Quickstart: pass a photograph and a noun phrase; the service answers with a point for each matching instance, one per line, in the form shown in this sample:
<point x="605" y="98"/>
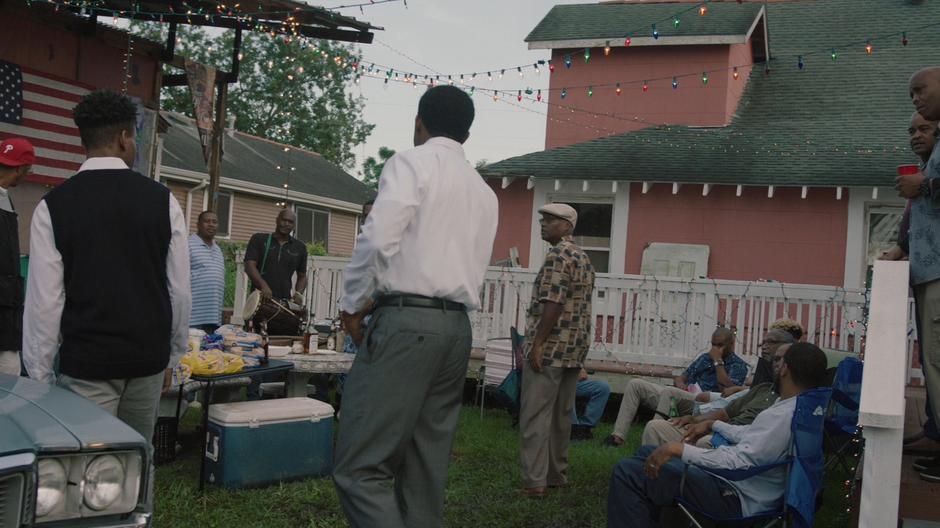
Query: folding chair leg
<point x="688" y="514"/>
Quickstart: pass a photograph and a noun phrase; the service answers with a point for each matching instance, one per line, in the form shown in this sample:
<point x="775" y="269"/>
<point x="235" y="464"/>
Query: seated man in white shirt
<point x="646" y="482"/>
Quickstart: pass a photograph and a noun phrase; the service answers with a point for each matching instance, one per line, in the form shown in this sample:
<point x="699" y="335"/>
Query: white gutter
<point x="260" y="190"/>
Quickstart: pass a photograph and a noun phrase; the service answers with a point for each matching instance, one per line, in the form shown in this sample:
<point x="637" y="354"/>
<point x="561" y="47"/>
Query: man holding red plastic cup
<point x="923" y="190"/>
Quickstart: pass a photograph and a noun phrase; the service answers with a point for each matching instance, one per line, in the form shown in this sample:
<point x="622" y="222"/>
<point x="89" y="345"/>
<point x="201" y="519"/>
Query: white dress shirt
<point x="765" y="441"/>
<point x="45" y="288"/>
<point x="5" y="202"/>
<point x="430" y="231"/>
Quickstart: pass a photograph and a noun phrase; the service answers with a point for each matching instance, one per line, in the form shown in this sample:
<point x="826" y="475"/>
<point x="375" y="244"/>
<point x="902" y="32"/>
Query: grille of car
<point x="11" y="499"/>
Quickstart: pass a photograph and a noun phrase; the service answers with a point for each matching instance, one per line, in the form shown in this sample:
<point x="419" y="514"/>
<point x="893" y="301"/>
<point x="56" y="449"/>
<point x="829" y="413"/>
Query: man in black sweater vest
<point x="109" y="269"/>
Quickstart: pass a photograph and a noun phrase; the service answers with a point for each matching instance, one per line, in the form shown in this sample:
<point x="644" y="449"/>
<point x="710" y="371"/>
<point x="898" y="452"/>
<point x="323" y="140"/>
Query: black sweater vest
<point x="112" y="228"/>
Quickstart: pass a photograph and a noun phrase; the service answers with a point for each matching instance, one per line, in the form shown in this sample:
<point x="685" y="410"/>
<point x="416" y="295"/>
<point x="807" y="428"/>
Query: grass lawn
<point x="484" y="472"/>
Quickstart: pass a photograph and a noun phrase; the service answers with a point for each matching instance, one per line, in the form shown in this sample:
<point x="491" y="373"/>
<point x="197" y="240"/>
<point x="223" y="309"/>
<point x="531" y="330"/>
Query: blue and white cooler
<point x="255" y="443"/>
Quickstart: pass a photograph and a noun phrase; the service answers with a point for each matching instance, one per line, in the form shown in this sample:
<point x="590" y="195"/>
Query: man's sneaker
<point x="613" y="441"/>
<point x="931" y="474"/>
<point x="581" y="432"/>
<point x="923" y="464"/>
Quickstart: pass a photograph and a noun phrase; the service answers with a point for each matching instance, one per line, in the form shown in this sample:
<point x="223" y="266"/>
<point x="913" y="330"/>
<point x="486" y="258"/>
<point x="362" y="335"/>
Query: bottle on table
<point x="311" y="338"/>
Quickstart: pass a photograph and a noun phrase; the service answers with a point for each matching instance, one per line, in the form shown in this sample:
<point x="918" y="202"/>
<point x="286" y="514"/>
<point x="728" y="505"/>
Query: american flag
<point x="38" y="107"/>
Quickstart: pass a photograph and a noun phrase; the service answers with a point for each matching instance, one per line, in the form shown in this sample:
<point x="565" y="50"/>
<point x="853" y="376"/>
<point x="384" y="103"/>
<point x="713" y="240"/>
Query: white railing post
<point x="881" y="412"/>
<point x="241" y="289"/>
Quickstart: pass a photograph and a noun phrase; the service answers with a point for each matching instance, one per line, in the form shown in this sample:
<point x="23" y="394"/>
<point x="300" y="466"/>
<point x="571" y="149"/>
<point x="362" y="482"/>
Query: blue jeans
<point x="597" y="392"/>
<point x="635" y="500"/>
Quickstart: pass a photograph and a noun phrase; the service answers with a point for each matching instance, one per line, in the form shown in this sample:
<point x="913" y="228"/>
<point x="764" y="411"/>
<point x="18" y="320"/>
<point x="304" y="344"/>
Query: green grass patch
<point x="483" y="474"/>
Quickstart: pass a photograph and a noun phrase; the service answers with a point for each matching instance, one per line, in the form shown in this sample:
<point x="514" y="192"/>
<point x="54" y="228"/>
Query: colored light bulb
<point x="655" y="32"/>
<point x="567" y="61"/>
<point x="618" y="90"/>
<point x="675" y="83"/>
<point x="734" y="73"/>
<point x="675" y="22"/>
<point x="705" y="78"/>
<point x="833" y="54"/>
<point x="587" y="55"/>
<point x="564" y="93"/>
<point x="628" y="41"/>
<point x="869" y="48"/>
<point x="607" y="49"/>
<point x="590" y="91"/>
<point x="904" y="38"/>
<point x="702" y="10"/>
<point x="646" y="86"/>
<point x="799" y="63"/>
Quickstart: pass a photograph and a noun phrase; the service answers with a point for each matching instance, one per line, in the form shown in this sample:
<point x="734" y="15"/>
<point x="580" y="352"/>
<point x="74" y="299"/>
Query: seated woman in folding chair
<point x="643" y="484"/>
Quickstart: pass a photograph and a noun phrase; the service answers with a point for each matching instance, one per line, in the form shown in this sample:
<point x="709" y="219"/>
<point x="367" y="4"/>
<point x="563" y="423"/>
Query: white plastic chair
<point x="496" y="366"/>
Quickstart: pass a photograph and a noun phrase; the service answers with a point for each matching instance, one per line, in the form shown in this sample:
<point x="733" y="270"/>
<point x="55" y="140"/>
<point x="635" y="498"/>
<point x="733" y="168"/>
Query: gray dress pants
<point x="401" y="403"/>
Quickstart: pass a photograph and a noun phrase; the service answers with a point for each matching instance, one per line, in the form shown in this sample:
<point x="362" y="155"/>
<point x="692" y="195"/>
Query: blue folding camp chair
<point x="842" y="421"/>
<point x="804" y="470"/>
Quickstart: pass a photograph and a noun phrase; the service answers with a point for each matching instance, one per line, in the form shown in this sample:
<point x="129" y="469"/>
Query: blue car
<point x="66" y="462"/>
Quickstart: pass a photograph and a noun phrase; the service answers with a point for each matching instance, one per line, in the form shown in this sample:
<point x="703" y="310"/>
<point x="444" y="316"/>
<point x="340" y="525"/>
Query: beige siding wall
<point x="179" y="190"/>
<point x="342" y="233"/>
<point x="250" y="215"/>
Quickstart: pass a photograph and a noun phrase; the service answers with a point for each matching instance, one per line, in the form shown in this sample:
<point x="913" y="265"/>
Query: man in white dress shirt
<point x="422" y="254"/>
<point x="109" y="270"/>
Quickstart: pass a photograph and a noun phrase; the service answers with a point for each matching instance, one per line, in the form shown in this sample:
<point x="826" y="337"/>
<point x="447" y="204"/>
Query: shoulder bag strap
<point x="267" y="247"/>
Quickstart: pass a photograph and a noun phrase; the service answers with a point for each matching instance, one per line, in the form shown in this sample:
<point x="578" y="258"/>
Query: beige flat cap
<point x="563" y="211"/>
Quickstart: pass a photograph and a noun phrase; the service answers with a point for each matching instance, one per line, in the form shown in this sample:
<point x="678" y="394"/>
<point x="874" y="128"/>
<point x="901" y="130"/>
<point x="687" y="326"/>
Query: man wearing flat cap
<point x="16" y="159"/>
<point x="558" y="337"/>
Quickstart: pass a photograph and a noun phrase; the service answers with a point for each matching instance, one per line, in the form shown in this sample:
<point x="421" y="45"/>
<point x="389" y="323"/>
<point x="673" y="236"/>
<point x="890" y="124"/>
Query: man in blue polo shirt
<point x="207" y="274"/>
<point x="713" y="371"/>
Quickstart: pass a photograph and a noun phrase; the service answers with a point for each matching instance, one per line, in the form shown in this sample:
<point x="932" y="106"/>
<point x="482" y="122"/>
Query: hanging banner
<point x="201" y="80"/>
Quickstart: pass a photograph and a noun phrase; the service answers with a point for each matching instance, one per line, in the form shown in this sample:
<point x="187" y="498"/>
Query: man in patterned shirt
<point x="558" y="338"/>
<point x="713" y="371"/>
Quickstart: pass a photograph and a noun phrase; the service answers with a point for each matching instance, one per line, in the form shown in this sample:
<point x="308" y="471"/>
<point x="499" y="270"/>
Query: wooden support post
<point x="881" y="410"/>
<point x="738" y="191"/>
<point x="706" y="188"/>
<point x="647" y="186"/>
<point x="530" y="184"/>
<point x="215" y="155"/>
<point x="613" y="187"/>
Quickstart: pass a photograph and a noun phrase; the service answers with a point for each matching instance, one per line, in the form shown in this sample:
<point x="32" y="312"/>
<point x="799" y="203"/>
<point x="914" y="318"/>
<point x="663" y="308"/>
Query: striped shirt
<point x="207" y="278"/>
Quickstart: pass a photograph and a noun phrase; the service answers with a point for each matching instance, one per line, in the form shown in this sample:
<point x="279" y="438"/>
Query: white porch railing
<point x="644" y="319"/>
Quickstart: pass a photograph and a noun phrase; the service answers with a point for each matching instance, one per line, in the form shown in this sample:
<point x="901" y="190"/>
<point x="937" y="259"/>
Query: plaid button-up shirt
<point x="566" y="278"/>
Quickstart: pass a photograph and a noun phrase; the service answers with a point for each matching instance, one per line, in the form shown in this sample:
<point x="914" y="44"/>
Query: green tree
<point x="372" y="168"/>
<point x="292" y="91"/>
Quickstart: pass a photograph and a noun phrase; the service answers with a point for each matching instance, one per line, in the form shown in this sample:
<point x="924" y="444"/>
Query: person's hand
<point x="298" y="298"/>
<point x="681" y="421"/>
<point x="352" y="324"/>
<point x="535" y="356"/>
<point x="583" y="375"/>
<point x="716" y="352"/>
<point x="895" y="253"/>
<point x="703" y="397"/>
<point x="697" y="431"/>
<point x="731" y="390"/>
<point x="266" y="292"/>
<point x="908" y="185"/>
<point x="658" y="458"/>
<point x="167" y="380"/>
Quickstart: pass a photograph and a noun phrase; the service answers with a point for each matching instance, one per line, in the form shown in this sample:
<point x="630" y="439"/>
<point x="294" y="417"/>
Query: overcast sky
<point x="453" y="36"/>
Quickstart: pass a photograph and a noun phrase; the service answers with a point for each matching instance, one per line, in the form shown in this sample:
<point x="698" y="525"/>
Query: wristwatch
<point x="719" y="363"/>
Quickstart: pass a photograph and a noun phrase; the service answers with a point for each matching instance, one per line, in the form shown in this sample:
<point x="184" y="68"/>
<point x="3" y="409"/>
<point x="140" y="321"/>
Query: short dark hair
<point x="807" y="364"/>
<point x="101" y="115"/>
<point x="447" y="111"/>
<point x="204" y="213"/>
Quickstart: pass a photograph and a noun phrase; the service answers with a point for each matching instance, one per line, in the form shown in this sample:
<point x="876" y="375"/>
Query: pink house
<point x="735" y="138"/>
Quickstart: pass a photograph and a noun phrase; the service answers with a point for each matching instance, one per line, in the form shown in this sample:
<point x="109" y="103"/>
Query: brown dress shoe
<point x="533" y="493"/>
<point x="925" y="447"/>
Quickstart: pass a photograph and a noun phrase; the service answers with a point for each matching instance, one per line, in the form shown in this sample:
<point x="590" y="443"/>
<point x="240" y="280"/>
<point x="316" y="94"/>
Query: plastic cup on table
<point x="905" y="170"/>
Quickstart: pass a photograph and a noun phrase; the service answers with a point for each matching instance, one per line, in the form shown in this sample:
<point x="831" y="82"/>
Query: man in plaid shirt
<point x="558" y="338"/>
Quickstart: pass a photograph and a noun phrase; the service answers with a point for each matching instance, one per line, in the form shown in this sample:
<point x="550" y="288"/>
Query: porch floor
<point x="920" y="500"/>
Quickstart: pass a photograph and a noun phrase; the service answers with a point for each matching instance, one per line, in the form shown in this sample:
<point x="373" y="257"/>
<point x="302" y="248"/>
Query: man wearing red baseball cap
<point x="16" y="160"/>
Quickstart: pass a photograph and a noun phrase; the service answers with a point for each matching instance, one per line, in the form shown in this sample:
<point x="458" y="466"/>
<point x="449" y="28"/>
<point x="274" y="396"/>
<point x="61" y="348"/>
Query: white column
<point x="881" y="411"/>
<point x="855" y="240"/>
<point x="620" y="229"/>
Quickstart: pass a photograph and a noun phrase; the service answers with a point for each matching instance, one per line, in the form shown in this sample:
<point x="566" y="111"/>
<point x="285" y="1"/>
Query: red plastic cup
<point x="904" y="170"/>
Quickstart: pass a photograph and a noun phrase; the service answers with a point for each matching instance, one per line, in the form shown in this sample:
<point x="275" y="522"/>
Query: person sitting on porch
<point x="651" y="479"/>
<point x="742" y="411"/>
<point x="789" y="326"/>
<point x="713" y="371"/>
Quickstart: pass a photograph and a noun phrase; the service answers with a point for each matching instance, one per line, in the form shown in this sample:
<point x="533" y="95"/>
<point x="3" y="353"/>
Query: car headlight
<point x="51" y="487"/>
<point x="104" y="482"/>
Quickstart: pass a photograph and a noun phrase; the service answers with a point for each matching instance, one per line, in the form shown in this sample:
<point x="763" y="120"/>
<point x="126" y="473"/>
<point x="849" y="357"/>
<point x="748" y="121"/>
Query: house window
<point x="223" y="208"/>
<point x="313" y="226"/>
<point x="882" y="235"/>
<point x="592" y="233"/>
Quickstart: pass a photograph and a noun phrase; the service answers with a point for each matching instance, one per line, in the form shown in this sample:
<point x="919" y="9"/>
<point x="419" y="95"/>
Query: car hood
<point x="37" y="416"/>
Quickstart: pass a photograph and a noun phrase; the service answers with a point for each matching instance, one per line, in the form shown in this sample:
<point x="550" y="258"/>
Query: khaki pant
<point x="651" y="396"/>
<point x="927" y="297"/>
<point x="10" y="362"/>
<point x="545" y="424"/>
<point x="134" y="401"/>
<point x="660" y="432"/>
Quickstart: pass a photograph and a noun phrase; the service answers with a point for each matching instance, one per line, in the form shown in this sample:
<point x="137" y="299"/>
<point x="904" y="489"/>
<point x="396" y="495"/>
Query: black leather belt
<point x="419" y="301"/>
